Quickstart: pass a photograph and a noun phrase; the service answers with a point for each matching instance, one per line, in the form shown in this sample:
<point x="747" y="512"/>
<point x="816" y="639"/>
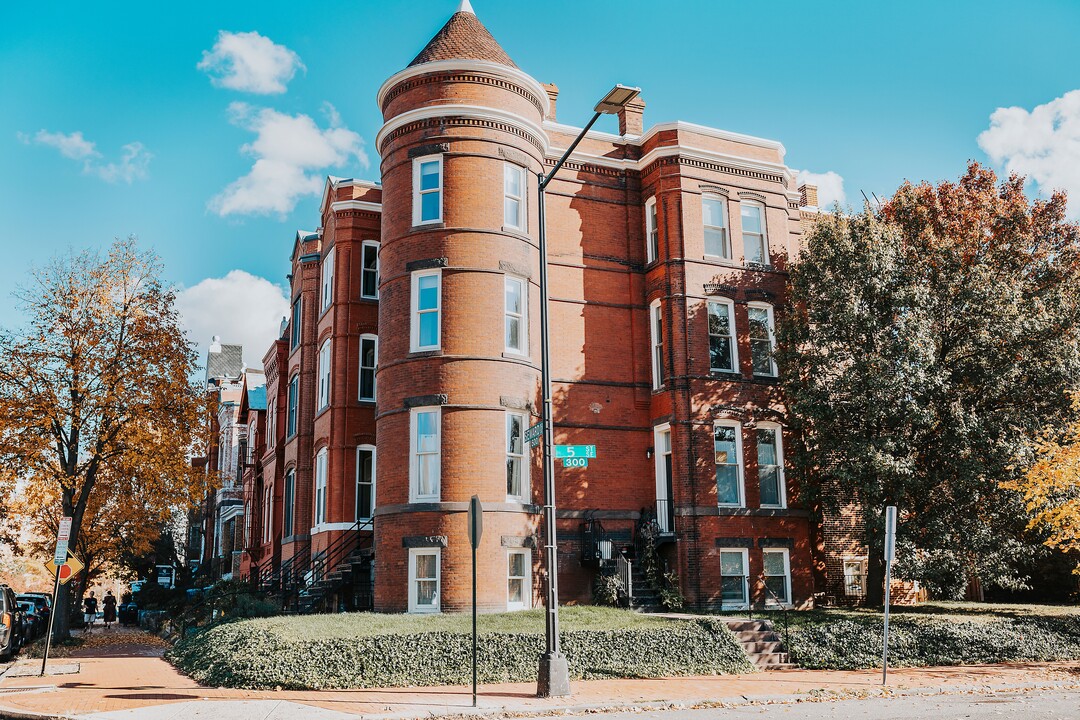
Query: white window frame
<point x="297" y="320"/>
<point x="656" y="343"/>
<point x="375" y="245"/>
<point x="322" y="459"/>
<point x="418" y="193"/>
<point x="373" y="369"/>
<point x="652" y="231"/>
<point x="771" y="326"/>
<point x="414" y="606"/>
<point x="292" y="407"/>
<point x="745" y="578"/>
<point x="724" y="227"/>
<point x="288" y="504"/>
<point x="522" y="457"/>
<point x="765" y="255"/>
<point x="325" y="351"/>
<point x="787" y="575"/>
<point x="660" y="474"/>
<point x="268" y="514"/>
<point x="374" y="473"/>
<point x="510" y="169"/>
<point x="778" y="431"/>
<point x="526" y="593"/>
<point x="415" y="311"/>
<point x="522" y="317"/>
<point x="271" y="421"/>
<point x="733" y="336"/>
<point x="414" y="457"/>
<point x="740" y="470"/>
<point x="327" y="284"/>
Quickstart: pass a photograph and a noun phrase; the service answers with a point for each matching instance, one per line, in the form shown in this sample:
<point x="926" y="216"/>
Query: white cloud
<point x="830" y="186"/>
<point x="290" y="152"/>
<point x="73" y="146"/>
<point x="132" y="166"/>
<point x="249" y="62"/>
<point x="1043" y="144"/>
<point x="242" y="308"/>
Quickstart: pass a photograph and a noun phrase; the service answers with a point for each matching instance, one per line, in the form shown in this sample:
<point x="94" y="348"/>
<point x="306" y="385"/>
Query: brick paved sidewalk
<point x="133" y="676"/>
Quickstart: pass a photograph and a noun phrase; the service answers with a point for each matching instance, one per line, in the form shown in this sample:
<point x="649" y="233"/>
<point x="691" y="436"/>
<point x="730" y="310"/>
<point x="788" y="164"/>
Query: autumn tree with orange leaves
<point x="1051" y="487"/>
<point x="930" y="342"/>
<point x="98" y="412"/>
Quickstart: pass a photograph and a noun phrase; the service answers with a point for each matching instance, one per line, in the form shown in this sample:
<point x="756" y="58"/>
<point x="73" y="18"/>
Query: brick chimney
<point x="809" y="195"/>
<point x="553" y="95"/>
<point x="631" y="117"/>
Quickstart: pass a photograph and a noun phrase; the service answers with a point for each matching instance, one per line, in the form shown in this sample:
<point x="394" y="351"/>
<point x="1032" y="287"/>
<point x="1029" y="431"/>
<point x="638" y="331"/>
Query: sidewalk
<point x="130" y="679"/>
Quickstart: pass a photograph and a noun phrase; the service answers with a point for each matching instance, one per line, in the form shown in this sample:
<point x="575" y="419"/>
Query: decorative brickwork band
<point x="714" y="190"/>
<point x="758" y="294"/>
<point x="423" y="541"/>
<point x="776" y="543"/>
<point x="514" y="156"/>
<point x="752" y="196"/>
<point x="426" y="264"/>
<point x="514" y="403"/>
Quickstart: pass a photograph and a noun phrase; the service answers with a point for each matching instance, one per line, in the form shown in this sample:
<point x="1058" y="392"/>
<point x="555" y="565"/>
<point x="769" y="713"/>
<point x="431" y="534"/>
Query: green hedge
<point x="851" y="644"/>
<point x="254" y="654"/>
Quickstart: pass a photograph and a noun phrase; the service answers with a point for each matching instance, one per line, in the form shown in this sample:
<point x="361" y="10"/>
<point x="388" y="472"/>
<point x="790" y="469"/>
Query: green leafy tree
<point x="927" y="345"/>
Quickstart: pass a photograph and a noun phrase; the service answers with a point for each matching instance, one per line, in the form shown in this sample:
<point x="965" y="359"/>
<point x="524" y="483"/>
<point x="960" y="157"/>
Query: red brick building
<point x="409" y="368"/>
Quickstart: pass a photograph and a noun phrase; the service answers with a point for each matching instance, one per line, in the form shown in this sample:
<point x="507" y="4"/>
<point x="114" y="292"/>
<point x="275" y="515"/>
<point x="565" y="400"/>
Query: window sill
<point x="725" y="374"/>
<point x="429" y="225"/>
<point x="519" y="232"/>
<point x="514" y="355"/>
<point x="366" y="401"/>
<point x="425" y="353"/>
<point x="365" y="298"/>
<point x="767" y="379"/>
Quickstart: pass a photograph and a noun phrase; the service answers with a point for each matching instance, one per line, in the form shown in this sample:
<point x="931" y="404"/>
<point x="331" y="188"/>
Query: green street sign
<point x="575" y="451"/>
<point x="575" y="462"/>
<point x="533" y="434"/>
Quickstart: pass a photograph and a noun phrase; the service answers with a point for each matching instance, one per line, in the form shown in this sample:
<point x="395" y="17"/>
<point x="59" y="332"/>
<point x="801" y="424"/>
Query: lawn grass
<point x="529" y="622"/>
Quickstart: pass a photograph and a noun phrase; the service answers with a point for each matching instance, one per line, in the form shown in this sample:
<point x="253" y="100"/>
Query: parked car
<point x="11" y="618"/>
<point x="32" y="625"/>
<point x="42" y="606"/>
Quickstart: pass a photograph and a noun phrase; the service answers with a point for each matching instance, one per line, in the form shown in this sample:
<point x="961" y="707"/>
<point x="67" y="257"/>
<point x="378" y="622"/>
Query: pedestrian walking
<point x="109" y="603"/>
<point x="90" y="611"/>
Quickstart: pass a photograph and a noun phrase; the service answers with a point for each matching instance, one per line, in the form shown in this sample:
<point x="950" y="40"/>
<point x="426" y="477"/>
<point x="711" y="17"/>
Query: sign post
<point x="890" y="555"/>
<point x="476" y="529"/>
<point x="63" y="534"/>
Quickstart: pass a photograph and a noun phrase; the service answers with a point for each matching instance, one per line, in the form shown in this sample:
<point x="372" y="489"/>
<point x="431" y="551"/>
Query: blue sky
<point x="875" y="92"/>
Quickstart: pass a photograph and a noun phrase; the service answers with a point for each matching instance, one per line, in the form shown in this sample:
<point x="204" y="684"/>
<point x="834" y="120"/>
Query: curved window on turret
<point x="427" y="189"/>
<point x="426" y="305"/>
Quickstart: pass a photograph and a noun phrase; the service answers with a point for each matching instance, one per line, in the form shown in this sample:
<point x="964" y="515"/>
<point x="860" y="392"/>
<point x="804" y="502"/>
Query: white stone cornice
<point x="355" y="205"/>
<point x="678" y="150"/>
<point x="470" y="111"/>
<point x="679" y="125"/>
<point x="478" y="66"/>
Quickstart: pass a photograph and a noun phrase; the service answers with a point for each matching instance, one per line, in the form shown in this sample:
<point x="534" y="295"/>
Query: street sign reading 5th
<point x="575" y="451"/>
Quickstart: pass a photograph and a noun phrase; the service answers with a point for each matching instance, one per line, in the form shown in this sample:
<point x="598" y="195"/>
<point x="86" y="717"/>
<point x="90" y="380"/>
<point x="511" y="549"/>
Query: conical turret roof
<point x="463" y="37"/>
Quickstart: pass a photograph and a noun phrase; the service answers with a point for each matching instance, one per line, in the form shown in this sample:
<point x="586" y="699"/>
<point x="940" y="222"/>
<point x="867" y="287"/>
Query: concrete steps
<point x="761" y="643"/>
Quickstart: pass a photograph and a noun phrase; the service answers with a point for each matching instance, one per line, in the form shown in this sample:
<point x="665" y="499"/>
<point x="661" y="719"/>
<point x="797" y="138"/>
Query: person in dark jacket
<point x="109" y="603"/>
<point x="90" y="611"/>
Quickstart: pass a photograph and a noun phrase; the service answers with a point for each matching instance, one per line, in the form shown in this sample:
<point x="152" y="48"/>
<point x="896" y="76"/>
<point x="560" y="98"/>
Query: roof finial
<point x="466" y="6"/>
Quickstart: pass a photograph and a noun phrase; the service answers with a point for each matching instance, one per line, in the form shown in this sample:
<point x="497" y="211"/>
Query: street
<point x="1030" y="705"/>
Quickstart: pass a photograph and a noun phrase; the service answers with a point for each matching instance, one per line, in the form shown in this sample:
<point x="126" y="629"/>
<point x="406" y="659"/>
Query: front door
<point x="665" y="510"/>
<point x="734" y="577"/>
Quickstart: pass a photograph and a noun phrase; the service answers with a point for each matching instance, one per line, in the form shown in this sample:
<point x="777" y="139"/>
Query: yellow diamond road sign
<point x="68" y="570"/>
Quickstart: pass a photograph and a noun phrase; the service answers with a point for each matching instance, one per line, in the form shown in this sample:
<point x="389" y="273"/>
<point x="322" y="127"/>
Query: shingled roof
<point x="463" y="37"/>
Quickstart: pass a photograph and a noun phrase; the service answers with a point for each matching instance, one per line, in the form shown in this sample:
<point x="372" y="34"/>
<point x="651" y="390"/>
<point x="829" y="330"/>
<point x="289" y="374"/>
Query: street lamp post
<point x="553" y="680"/>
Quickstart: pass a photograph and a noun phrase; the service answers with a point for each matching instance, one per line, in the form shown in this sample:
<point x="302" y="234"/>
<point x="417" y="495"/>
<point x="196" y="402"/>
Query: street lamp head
<point x="616" y="99"/>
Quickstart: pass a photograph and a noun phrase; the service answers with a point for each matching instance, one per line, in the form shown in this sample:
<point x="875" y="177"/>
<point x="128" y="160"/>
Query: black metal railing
<point x="665" y="515"/>
<point x="304" y="573"/>
<point x="596" y="544"/>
